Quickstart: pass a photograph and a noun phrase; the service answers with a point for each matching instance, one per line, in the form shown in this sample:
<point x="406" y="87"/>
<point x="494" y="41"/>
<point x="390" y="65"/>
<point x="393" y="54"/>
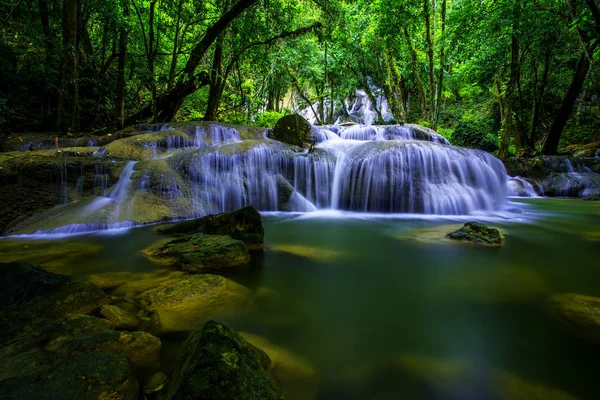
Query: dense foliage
<point x="514" y="74"/>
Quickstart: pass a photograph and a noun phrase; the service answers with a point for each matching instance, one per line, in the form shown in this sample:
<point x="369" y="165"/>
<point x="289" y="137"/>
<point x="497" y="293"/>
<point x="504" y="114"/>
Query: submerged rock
<point x="141" y="348"/>
<point x="296" y="376"/>
<point x="122" y="319"/>
<point x="579" y="314"/>
<point x="244" y="224"/>
<point x="201" y="253"/>
<point x="475" y="232"/>
<point x="183" y="304"/>
<point x="217" y="363"/>
<point x="92" y="376"/>
<point x="313" y="253"/>
<point x="292" y="129"/>
<point x="155" y="383"/>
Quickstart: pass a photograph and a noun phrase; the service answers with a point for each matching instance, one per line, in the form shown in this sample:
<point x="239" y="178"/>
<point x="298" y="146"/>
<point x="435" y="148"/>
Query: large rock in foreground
<point x="475" y="232"/>
<point x="91" y="376"/>
<point x="244" y="224"/>
<point x="579" y="314"/>
<point x="292" y="129"/>
<point x="183" y="304"/>
<point x="217" y="363"/>
<point x="35" y="296"/>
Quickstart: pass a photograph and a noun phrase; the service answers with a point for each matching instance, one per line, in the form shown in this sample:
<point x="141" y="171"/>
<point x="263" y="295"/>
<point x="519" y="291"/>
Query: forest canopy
<point x="517" y="76"/>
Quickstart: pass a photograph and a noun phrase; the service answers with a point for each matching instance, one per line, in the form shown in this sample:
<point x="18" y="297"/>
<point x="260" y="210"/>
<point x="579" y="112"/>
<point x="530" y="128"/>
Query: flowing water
<point x="353" y="293"/>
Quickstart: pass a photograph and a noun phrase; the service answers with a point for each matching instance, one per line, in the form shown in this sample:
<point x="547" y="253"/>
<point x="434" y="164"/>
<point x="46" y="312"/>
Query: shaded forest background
<point x="508" y="76"/>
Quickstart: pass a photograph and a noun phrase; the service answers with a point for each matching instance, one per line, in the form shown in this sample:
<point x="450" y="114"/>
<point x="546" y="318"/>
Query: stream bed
<point x="369" y="299"/>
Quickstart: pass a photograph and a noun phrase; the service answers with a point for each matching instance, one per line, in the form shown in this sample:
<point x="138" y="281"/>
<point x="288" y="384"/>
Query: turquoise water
<point x="353" y="294"/>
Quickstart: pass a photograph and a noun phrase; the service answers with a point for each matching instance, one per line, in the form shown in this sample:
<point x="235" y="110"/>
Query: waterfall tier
<point x="193" y="171"/>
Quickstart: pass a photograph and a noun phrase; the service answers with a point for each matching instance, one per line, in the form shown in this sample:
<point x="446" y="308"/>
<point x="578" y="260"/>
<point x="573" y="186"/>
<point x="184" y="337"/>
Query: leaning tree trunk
<point x="216" y="81"/>
<point x="169" y="103"/>
<point x="67" y="107"/>
<point x="551" y="144"/>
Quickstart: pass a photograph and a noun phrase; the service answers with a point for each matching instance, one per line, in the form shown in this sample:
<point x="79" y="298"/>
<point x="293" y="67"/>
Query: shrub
<point x="268" y="119"/>
<point x="474" y="134"/>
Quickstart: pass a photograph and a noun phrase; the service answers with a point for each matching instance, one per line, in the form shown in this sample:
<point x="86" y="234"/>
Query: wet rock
<point x="122" y="319"/>
<point x="475" y="232"/>
<point x="141" y="348"/>
<point x="292" y="129"/>
<point x="217" y="363"/>
<point x="201" y="253"/>
<point x="22" y="282"/>
<point x="155" y="383"/>
<point x="183" y="304"/>
<point x="74" y="326"/>
<point x="35" y="296"/>
<point x="92" y="376"/>
<point x="295" y="375"/>
<point x="284" y="193"/>
<point x="313" y="253"/>
<point x="244" y="224"/>
<point x="578" y="314"/>
<point x="142" y="146"/>
<point x="592" y="197"/>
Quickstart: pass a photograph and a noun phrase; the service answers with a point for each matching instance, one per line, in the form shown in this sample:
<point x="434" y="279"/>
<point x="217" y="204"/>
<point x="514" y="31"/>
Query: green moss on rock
<point x="292" y="129"/>
<point x="217" y="363"/>
<point x="244" y="224"/>
<point x="475" y="232"/>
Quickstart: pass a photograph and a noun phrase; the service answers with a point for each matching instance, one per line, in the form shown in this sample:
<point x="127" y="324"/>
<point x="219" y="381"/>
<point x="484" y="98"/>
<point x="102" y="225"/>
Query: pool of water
<point x="358" y="295"/>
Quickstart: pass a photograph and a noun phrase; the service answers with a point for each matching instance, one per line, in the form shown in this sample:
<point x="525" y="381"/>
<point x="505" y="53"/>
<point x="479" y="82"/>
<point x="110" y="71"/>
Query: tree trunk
<point x="396" y="84"/>
<point x="415" y="68"/>
<point x="539" y="99"/>
<point x="440" y="85"/>
<point x="67" y="107"/>
<point x="46" y="98"/>
<point x="120" y="100"/>
<point x="151" y="55"/>
<point x="169" y="103"/>
<point x="429" y="58"/>
<point x="174" y="57"/>
<point x="551" y="144"/>
<point x="216" y="81"/>
<point x="509" y="127"/>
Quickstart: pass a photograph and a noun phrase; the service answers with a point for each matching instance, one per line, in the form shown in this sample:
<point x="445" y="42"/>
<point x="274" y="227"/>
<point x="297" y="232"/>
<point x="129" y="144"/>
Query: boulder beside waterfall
<point x="292" y="129"/>
<point x="477" y="233"/>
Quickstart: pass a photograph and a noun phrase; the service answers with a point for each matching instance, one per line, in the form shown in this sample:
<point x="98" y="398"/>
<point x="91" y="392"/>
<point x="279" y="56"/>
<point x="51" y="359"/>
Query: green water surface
<point x="355" y="294"/>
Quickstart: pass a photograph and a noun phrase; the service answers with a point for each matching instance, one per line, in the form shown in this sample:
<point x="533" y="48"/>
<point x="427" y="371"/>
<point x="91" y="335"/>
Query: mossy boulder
<point x="217" y="363"/>
<point x="141" y="348"/>
<point x="183" y="304"/>
<point x="91" y="376"/>
<point x="244" y="224"/>
<point x="578" y="314"/>
<point x="292" y="129"/>
<point x="35" y="296"/>
<point x="122" y="319"/>
<point x="201" y="253"/>
<point x="477" y="233"/>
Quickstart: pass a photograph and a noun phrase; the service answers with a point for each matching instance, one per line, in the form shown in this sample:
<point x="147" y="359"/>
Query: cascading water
<point x="384" y="169"/>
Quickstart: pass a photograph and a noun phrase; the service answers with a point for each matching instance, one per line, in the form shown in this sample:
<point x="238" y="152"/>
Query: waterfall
<point x="392" y="169"/>
<point x="211" y="169"/>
